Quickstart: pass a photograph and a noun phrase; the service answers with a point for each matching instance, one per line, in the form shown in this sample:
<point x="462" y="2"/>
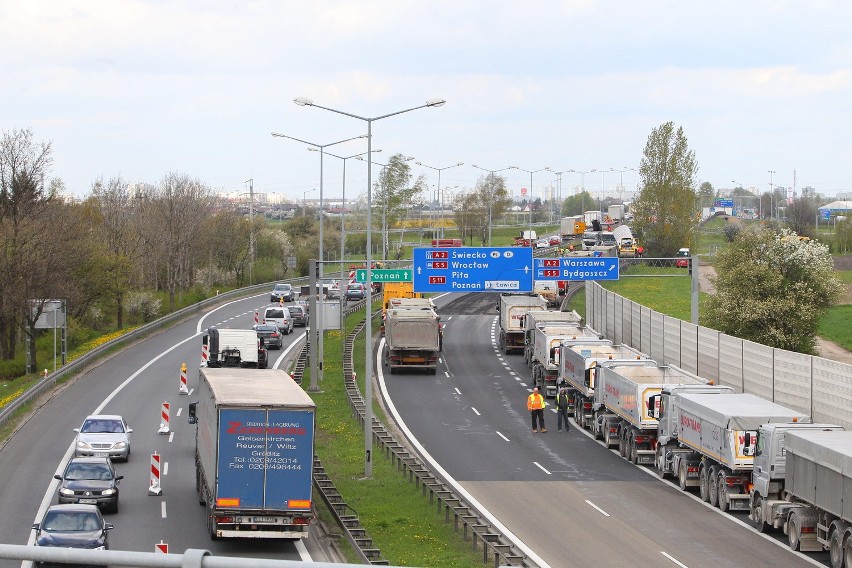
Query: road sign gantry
<point x="473" y="269"/>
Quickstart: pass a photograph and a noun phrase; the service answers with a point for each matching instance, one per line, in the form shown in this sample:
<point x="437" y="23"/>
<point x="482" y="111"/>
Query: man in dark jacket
<point x="562" y="409"/>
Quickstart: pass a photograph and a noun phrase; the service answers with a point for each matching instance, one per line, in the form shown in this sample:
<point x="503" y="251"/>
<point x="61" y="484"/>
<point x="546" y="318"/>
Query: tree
<point x="665" y="213"/>
<point x="576" y="204"/>
<point x="843" y="236"/>
<point x="772" y="288"/>
<point x="393" y="193"/>
<point x="706" y="194"/>
<point x="489" y="199"/>
<point x="801" y="217"/>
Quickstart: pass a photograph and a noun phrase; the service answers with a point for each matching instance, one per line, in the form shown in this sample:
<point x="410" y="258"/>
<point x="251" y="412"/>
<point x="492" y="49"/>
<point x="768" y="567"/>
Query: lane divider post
<point x="164" y="419"/>
<point x="182" y="388"/>
<point x="154" y="487"/>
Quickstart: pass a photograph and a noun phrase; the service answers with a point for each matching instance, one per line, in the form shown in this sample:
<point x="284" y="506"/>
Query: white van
<point x="234" y="348"/>
<point x="280" y="316"/>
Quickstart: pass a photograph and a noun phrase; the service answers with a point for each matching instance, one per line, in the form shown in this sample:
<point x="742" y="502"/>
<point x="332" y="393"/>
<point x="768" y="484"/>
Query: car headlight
<point x="119" y="445"/>
<point x="83" y="445"/>
<point x="108" y="492"/>
<point x="66" y="492"/>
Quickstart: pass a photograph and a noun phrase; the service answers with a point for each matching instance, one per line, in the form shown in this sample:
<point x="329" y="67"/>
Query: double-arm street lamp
<point x="368" y="379"/>
<point x="771" y="194"/>
<point x="621" y="180"/>
<point x="491" y="193"/>
<point x="440" y="201"/>
<point x="319" y="315"/>
<point x="529" y="200"/>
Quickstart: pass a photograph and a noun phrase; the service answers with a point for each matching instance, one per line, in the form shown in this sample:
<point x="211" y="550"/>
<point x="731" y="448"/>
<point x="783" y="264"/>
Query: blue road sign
<point x="473" y="269"/>
<point x="577" y="268"/>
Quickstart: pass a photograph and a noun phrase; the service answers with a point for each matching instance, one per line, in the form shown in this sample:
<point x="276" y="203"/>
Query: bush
<point x="142" y="306"/>
<point x="731" y="230"/>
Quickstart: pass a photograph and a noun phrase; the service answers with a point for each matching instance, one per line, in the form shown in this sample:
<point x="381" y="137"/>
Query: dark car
<point x="355" y="291"/>
<point x="299" y="315"/>
<point x="271" y="335"/>
<point x="90" y="481"/>
<point x="72" y="526"/>
<point x="282" y="292"/>
<point x="333" y="293"/>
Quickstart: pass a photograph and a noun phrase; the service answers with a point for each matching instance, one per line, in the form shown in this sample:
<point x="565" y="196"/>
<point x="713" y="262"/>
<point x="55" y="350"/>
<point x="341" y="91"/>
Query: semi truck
<point x="625" y="399"/>
<point x="412" y="339"/>
<point x="616" y="212"/>
<point x="234" y="348"/>
<point x="549" y="290"/>
<point x="392" y="292"/>
<point x="571" y="227"/>
<point x="537" y="317"/>
<point x="547" y="340"/>
<point x="579" y="363"/>
<point x="710" y="450"/>
<point x="513" y="308"/>
<point x="254" y="450"/>
<point x="801" y="483"/>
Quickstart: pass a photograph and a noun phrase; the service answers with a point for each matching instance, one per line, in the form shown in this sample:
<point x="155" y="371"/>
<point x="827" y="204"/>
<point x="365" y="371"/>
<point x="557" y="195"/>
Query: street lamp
<point x="621" y="180"/>
<point x="439" y="187"/>
<point x="368" y="380"/>
<point x="491" y="195"/>
<point x="529" y="200"/>
<point x="771" y="194"/>
<point x="583" y="186"/>
<point x="319" y="315"/>
<point x="305" y="200"/>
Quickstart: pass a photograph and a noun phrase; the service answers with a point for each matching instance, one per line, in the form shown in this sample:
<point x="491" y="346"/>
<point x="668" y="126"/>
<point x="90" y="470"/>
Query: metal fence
<point x="816" y="386"/>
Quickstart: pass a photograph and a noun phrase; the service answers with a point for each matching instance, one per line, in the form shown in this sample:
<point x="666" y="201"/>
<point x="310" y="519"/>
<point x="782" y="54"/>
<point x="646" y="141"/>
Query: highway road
<point x="133" y="383"/>
<point x="568" y="499"/>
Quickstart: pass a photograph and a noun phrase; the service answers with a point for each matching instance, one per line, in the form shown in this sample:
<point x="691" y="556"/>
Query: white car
<point x="542" y="244"/>
<point x="103" y="435"/>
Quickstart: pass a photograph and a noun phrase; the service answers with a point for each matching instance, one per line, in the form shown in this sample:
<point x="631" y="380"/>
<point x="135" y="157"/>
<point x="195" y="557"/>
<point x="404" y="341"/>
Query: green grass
<point x="835" y="326"/>
<point x="400" y="520"/>
<point x="666" y="290"/>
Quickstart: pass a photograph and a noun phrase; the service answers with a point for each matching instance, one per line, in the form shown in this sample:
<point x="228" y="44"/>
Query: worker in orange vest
<point x="536" y="404"/>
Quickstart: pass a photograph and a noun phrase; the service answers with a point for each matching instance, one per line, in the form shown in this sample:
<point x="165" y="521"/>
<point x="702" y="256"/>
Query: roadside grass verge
<point x="835" y="326"/>
<point x="399" y="519"/>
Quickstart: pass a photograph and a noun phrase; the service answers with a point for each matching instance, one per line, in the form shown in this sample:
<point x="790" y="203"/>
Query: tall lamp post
<point x="368" y="379"/>
<point x="771" y="195"/>
<point x="491" y="196"/>
<point x="319" y="315"/>
<point x="621" y="180"/>
<point x="583" y="185"/>
<point x="529" y="201"/>
<point x="305" y="200"/>
<point x="439" y="170"/>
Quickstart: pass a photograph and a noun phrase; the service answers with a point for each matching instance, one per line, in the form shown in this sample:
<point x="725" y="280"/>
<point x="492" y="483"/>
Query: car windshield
<point x="275" y="313"/>
<point x="683" y="252"/>
<point x="296" y="310"/>
<point x="101" y="426"/>
<point x="282" y="287"/>
<point x="77" y="471"/>
<point x="266" y="329"/>
<point x="67" y="521"/>
<point x="354" y="287"/>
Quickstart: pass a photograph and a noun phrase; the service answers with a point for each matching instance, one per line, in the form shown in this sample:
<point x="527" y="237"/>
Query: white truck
<point x="710" y="451"/>
<point x="254" y="453"/>
<point x="571" y="227"/>
<point x="579" y="363"/>
<point x="412" y="339"/>
<point x="547" y="341"/>
<point x="616" y="212"/>
<point x="801" y="483"/>
<point x="625" y="241"/>
<point x="549" y="290"/>
<point x="513" y="308"/>
<point x="536" y="317"/>
<point x="234" y="348"/>
<point x="625" y="405"/>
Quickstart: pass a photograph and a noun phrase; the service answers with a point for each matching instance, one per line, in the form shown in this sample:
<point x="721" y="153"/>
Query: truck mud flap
<point x="739" y="501"/>
<point x="646" y="457"/>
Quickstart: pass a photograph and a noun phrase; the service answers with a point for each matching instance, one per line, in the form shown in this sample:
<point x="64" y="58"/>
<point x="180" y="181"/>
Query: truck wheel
<point x="703" y="484"/>
<point x="660" y="462"/>
<point x="847" y="553"/>
<point x="794" y="537"/>
<point x="835" y="548"/>
<point x="681" y="476"/>
<point x="633" y="451"/>
<point x="722" y="499"/>
<point x="713" y="486"/>
<point x="622" y="445"/>
<point x="756" y="516"/>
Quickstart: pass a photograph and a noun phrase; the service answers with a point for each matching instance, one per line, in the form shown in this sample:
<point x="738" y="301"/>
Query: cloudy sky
<point x="137" y="89"/>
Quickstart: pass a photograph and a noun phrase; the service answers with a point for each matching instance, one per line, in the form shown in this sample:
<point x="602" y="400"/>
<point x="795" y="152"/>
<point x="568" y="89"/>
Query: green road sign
<point x="384" y="275"/>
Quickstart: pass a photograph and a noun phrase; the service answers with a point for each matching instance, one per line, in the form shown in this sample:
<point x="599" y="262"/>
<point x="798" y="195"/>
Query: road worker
<point x="536" y="404"/>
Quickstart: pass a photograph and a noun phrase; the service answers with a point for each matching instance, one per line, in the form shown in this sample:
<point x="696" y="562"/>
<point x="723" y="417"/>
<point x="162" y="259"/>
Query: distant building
<point x="834" y="209"/>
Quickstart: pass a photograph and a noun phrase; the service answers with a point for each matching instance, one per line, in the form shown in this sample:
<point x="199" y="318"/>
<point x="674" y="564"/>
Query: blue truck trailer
<point x="254" y="449"/>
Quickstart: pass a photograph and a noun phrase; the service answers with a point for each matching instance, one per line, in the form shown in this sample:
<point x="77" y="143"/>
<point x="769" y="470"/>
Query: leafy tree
<point x="576" y="204"/>
<point x="706" y="194"/>
<point x="843" y="236"/>
<point x="665" y="212"/>
<point x="772" y="288"/>
<point x="801" y="217"/>
<point x="393" y="193"/>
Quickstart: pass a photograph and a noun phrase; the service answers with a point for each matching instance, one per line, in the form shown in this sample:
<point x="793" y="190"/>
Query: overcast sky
<point x="140" y="88"/>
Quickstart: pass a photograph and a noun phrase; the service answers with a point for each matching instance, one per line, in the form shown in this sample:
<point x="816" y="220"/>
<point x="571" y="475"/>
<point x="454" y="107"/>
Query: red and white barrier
<point x="164" y="419"/>
<point x="256" y="317"/>
<point x="205" y="354"/>
<point x="162" y="547"/>
<point x="351" y="276"/>
<point x="154" y="487"/>
<point x="182" y="389"/>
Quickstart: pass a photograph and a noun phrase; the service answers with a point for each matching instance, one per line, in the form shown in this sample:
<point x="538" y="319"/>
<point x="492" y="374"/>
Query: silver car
<point x="103" y="435"/>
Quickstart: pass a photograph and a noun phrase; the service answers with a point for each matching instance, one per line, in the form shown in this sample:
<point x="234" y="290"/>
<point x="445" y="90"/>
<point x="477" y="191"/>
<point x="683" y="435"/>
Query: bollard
<point x="256" y="317"/>
<point x="205" y="354"/>
<point x="182" y="388"/>
<point x="46" y="373"/>
<point x="154" y="487"/>
<point x="164" y="419"/>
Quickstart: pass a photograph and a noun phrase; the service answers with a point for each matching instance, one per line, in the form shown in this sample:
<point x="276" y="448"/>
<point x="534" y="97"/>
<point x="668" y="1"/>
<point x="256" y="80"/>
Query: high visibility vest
<point x="535" y="402"/>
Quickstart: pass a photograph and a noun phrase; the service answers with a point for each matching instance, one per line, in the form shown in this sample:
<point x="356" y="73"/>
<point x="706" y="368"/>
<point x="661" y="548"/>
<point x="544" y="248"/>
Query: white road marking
<point x="447" y="373"/>
<point x="163" y="509"/>
<point x="676" y="561"/>
<point x="190" y="391"/>
<point x="541" y="467"/>
<point x="179" y="411"/>
<point x="455" y="389"/>
<point x="518" y="379"/>
<point x="171" y="436"/>
<point x="475" y="411"/>
<point x="601" y="511"/>
<point x="165" y="468"/>
<point x="502" y="436"/>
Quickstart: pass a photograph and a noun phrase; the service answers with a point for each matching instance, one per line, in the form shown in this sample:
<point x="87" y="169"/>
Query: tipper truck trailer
<point x="412" y="339"/>
<point x="625" y="405"/>
<point x="532" y="319"/>
<point x="625" y="241"/>
<point x="711" y="435"/>
<point x="547" y="341"/>
<point x="802" y="483"/>
<point x="513" y="308"/>
<point x="579" y="364"/>
<point x="254" y="450"/>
